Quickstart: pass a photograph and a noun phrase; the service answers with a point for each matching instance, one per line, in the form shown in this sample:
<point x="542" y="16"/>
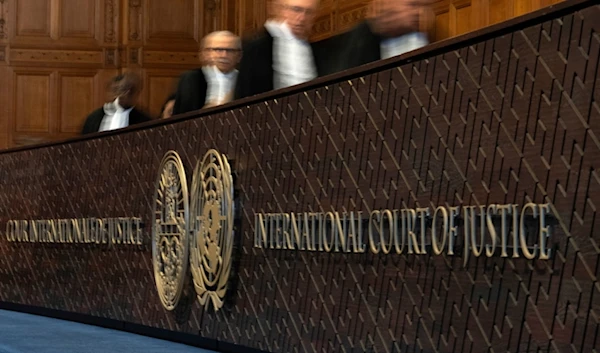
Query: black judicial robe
<point x="191" y="92"/>
<point x="358" y="46"/>
<point x="344" y="51"/>
<point x="93" y="121"/>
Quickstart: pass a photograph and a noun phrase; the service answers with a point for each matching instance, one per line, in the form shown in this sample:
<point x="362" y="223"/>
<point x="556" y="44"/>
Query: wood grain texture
<point x="33" y="18"/>
<point x="77" y="92"/>
<point x="78" y="18"/>
<point x="33" y="102"/>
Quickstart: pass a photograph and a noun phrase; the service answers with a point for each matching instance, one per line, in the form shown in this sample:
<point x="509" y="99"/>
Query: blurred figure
<point x="280" y="55"/>
<point x="212" y="84"/>
<point x="391" y="29"/>
<point x="167" y="109"/>
<point x="124" y="90"/>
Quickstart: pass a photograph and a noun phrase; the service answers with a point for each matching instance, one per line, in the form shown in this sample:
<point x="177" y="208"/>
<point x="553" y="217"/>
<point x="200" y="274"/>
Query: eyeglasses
<point x="299" y="10"/>
<point x="226" y="50"/>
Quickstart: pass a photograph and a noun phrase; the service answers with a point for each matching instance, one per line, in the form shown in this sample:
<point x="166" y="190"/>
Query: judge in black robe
<point x="191" y="92"/>
<point x="125" y="90"/>
<point x="212" y="84"/>
<point x="256" y="68"/>
<point x="94" y="120"/>
<point x="353" y="48"/>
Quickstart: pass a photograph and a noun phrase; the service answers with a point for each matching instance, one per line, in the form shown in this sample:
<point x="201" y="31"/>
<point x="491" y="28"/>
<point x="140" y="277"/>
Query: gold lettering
<point x="128" y="230"/>
<point x="328" y="243"/>
<point x="504" y="211"/>
<point x="321" y="228"/>
<point x="260" y="231"/>
<point x="121" y="237"/>
<point x="53" y="233"/>
<point x="411" y="220"/>
<point x="452" y="229"/>
<point x="23" y="232"/>
<point x="491" y="248"/>
<point x="356" y="234"/>
<point x="422" y="212"/>
<point x="437" y="247"/>
<point x="295" y="230"/>
<point x="278" y="231"/>
<point x="10" y="235"/>
<point x="306" y="234"/>
<point x="33" y="237"/>
<point x="374" y="221"/>
<point x="271" y="230"/>
<point x="544" y="232"/>
<point x="399" y="234"/>
<point x="339" y="235"/>
<point x="111" y="229"/>
<point x="515" y="231"/>
<point x="138" y="230"/>
<point x="285" y="228"/>
<point x="528" y="255"/>
<point x="386" y="248"/>
<point x="76" y="231"/>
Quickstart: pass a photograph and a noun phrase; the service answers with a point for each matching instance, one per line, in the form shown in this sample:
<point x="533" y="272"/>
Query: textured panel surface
<point x="512" y="119"/>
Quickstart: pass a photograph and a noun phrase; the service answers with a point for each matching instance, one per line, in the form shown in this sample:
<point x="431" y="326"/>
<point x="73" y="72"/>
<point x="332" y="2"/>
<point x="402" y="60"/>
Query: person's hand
<point x="393" y="18"/>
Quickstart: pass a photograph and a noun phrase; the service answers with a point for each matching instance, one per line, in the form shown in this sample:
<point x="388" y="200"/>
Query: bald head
<point x="222" y="49"/>
<point x="298" y="14"/>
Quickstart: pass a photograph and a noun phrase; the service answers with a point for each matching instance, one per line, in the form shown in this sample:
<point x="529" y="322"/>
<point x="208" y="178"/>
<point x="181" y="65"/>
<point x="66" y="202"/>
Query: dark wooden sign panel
<point x="510" y="119"/>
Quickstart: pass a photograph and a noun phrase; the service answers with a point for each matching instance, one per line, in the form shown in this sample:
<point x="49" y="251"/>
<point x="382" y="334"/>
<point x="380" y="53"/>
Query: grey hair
<point x="238" y="41"/>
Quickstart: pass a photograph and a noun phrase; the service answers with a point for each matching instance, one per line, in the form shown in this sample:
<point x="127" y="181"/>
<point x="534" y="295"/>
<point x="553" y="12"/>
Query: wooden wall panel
<point x="462" y="17"/>
<point x="182" y="29"/>
<point x="498" y="11"/>
<point x="252" y="15"/>
<point x="77" y="18"/>
<point x="33" y="18"/>
<point x="159" y="84"/>
<point x="5" y="105"/>
<point x="441" y="27"/>
<point x="349" y="14"/>
<point x="4" y="5"/>
<point x="33" y="101"/>
<point x="77" y="92"/>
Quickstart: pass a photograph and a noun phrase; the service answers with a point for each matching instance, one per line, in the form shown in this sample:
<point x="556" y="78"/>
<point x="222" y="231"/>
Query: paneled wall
<point x="56" y="56"/>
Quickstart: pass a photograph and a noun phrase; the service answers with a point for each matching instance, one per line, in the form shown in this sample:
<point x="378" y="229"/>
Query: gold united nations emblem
<point x="209" y="242"/>
<point x="212" y="240"/>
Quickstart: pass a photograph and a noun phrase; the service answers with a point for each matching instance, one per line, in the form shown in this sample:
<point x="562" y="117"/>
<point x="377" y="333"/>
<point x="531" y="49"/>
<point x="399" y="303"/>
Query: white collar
<point x="280" y="30"/>
<point x="213" y="71"/>
<point x="115" y="116"/>
<point x="114" y="107"/>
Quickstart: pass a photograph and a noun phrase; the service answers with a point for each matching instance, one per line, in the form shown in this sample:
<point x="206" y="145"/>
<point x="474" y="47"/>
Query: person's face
<point x="299" y="15"/>
<point x="129" y="99"/>
<point x="396" y="17"/>
<point x="222" y="51"/>
<point x="168" y="111"/>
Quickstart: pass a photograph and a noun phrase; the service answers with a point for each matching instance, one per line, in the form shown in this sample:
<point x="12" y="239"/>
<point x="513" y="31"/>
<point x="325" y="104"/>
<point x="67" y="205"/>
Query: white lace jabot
<point x="293" y="60"/>
<point x="115" y="117"/>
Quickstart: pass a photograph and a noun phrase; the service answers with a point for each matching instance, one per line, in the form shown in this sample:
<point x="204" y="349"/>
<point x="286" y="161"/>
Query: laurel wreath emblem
<point x="212" y="240"/>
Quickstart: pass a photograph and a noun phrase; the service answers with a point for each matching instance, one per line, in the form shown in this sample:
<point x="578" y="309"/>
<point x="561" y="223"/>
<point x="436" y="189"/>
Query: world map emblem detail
<point x="212" y="242"/>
